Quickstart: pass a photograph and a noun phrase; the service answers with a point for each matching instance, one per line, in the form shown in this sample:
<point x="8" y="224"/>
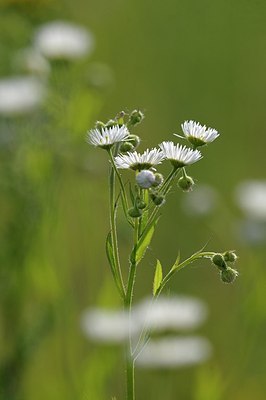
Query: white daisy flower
<point x="197" y="134"/>
<point x="62" y="40"/>
<point x="137" y="161"/>
<point x="180" y="156"/>
<point x="106" y="137"/>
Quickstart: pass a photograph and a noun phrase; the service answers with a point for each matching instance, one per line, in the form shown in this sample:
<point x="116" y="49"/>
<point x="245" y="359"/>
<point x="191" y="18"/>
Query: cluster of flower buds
<point x="227" y="274"/>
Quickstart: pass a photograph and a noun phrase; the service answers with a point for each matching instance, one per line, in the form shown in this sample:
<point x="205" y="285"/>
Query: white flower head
<point x="174" y="352"/>
<point x="20" y="95"/>
<point x="62" y="40"/>
<point x="180" y="156"/>
<point x="137" y="161"/>
<point x="197" y="134"/>
<point x="251" y="198"/>
<point x="106" y="137"/>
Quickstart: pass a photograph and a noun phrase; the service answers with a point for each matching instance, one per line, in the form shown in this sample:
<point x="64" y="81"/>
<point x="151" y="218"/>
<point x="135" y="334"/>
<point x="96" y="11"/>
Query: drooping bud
<point x="99" y="125"/>
<point x="158" y="179"/>
<point x="145" y="179"/>
<point x="158" y="199"/>
<point x="126" y="146"/>
<point x="111" y="123"/>
<point x="219" y="261"/>
<point x="136" y="117"/>
<point x="230" y="256"/>
<point x="134" y="140"/>
<point x="134" y="212"/>
<point x="141" y="204"/>
<point x="228" y="275"/>
<point x="185" y="183"/>
<point x="120" y="118"/>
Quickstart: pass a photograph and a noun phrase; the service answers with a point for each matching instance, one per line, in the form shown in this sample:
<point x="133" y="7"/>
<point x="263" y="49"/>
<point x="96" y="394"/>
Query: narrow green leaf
<point x="110" y="253"/>
<point x="142" y="245"/>
<point x="176" y="262"/>
<point x="132" y="196"/>
<point x="158" y="277"/>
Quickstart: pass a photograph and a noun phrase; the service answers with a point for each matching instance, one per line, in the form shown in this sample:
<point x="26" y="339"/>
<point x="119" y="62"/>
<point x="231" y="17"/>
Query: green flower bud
<point x="134" y="212"/>
<point x="185" y="183"/>
<point x="126" y="146"/>
<point x="219" y="261"/>
<point x="111" y="123"/>
<point x="136" y="117"/>
<point x="120" y="118"/>
<point x="134" y="140"/>
<point x="158" y="179"/>
<point x="141" y="204"/>
<point x="230" y="256"/>
<point x="228" y="275"/>
<point x="158" y="199"/>
<point x="99" y="125"/>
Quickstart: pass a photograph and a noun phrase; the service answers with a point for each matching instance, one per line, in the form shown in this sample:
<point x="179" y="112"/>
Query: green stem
<point x="123" y="192"/>
<point x="163" y="190"/>
<point x="178" y="267"/>
<point x="127" y="305"/>
<point x="117" y="273"/>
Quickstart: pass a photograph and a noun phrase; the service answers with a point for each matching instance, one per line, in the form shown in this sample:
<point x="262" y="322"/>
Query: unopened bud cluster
<point x="227" y="274"/>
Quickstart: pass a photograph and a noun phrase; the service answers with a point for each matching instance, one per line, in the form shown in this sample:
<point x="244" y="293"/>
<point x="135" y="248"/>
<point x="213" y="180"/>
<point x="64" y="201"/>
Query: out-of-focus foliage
<point x="175" y="60"/>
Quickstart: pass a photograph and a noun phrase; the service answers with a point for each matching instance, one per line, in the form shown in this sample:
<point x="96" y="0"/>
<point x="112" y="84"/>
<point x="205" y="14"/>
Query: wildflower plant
<point x="141" y="203"/>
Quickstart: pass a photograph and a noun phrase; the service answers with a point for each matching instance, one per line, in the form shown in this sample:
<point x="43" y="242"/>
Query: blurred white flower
<point x="19" y="95"/>
<point x="197" y="134"/>
<point x="109" y="326"/>
<point x="169" y="313"/>
<point x="30" y="60"/>
<point x="137" y="161"/>
<point x="251" y="198"/>
<point x="201" y="201"/>
<point x="174" y="352"/>
<point x="179" y="156"/>
<point x="252" y="231"/>
<point x="62" y="40"/>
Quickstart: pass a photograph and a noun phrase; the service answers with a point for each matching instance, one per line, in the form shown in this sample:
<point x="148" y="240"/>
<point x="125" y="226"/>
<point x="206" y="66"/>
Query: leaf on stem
<point x="158" y="277"/>
<point x="142" y="245"/>
<point x="176" y="264"/>
<point x="132" y="196"/>
<point x="110" y="253"/>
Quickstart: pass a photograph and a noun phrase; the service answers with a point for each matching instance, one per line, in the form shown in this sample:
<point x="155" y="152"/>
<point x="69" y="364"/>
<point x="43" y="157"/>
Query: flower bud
<point x="136" y="117"/>
<point x="99" y="125"/>
<point x="145" y="179"/>
<point x="111" y="123"/>
<point x="230" y="256"/>
<point x="158" y="179"/>
<point x="158" y="199"/>
<point x="185" y="183"/>
<point x="219" y="261"/>
<point x="126" y="146"/>
<point x="140" y="204"/>
<point x="134" y="140"/>
<point x="120" y="118"/>
<point x="228" y="275"/>
<point x="134" y="212"/>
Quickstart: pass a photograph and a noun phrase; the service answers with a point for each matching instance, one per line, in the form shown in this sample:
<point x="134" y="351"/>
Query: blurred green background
<point x="175" y="60"/>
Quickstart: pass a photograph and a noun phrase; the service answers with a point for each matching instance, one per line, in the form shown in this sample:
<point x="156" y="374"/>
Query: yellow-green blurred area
<point x="175" y="60"/>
